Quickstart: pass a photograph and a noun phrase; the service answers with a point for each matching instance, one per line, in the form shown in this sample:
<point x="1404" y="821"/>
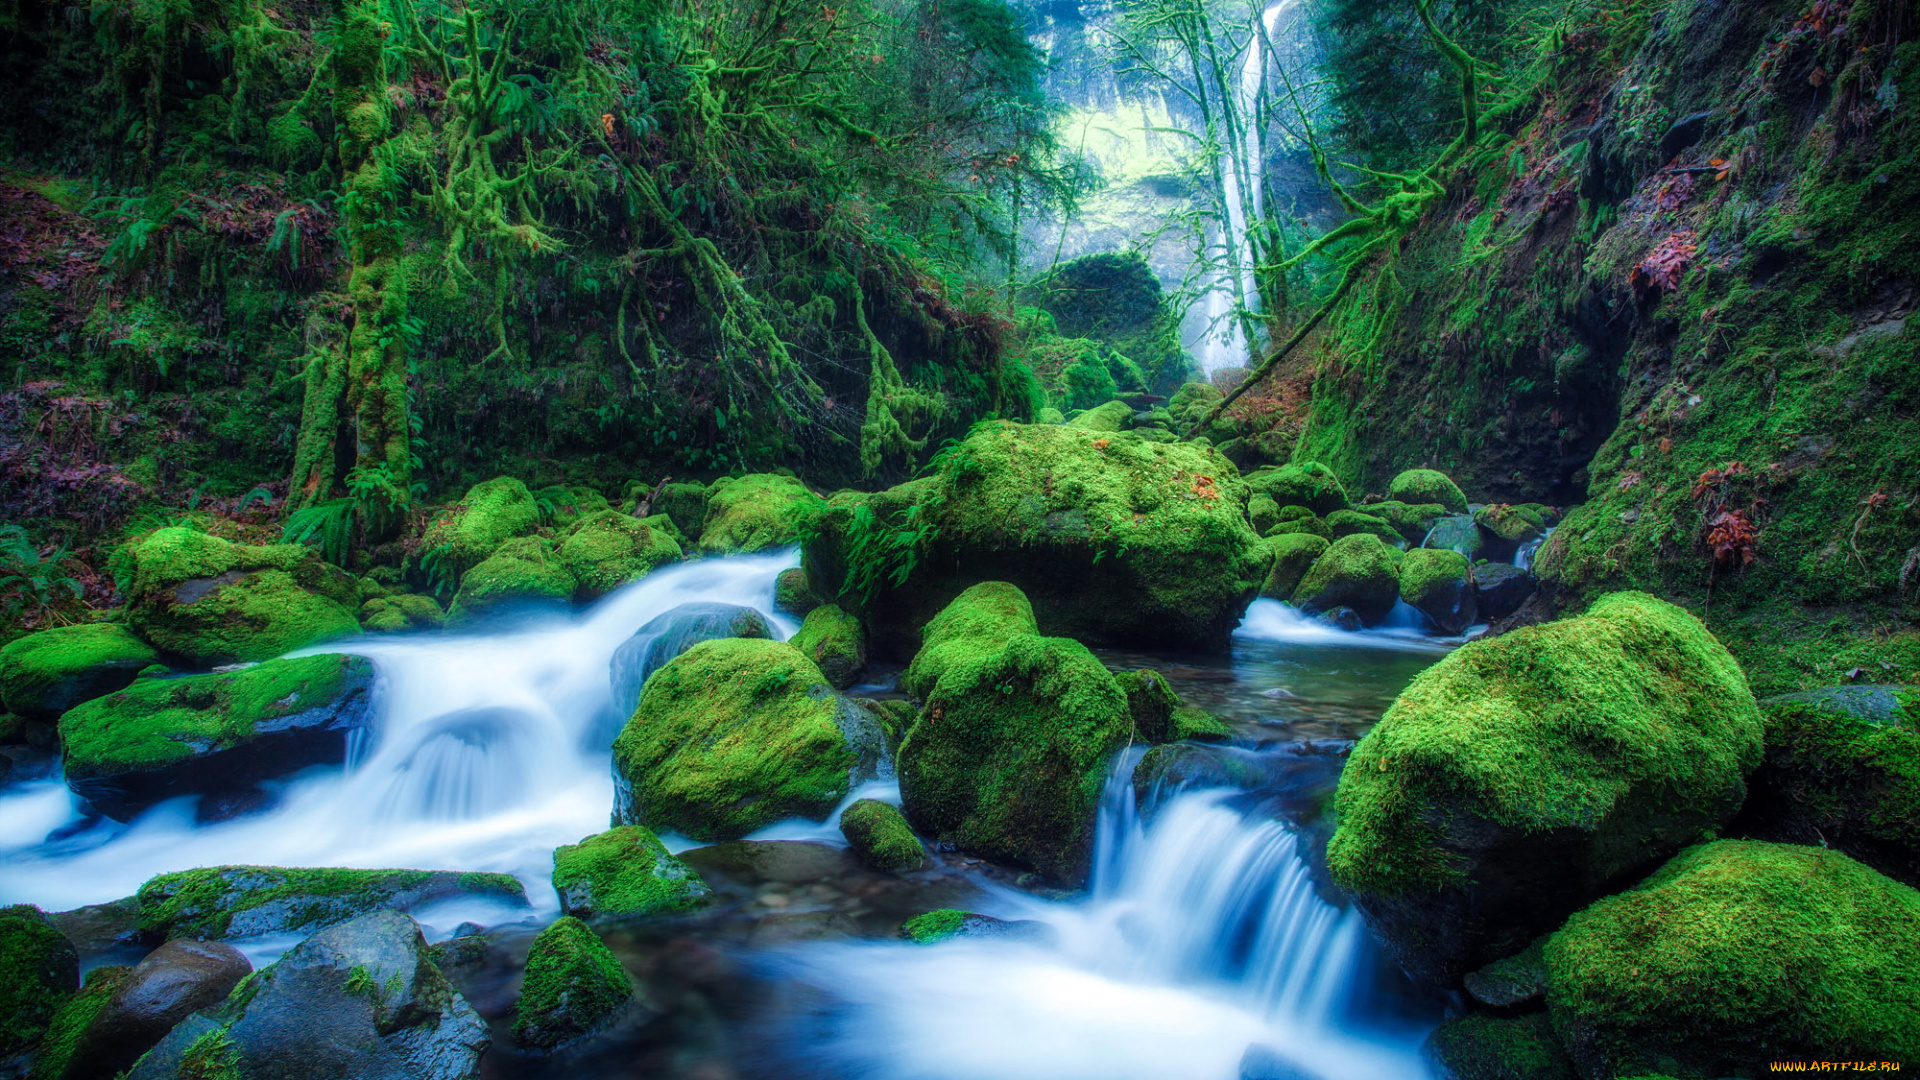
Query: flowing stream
<point x="1208" y="934"/>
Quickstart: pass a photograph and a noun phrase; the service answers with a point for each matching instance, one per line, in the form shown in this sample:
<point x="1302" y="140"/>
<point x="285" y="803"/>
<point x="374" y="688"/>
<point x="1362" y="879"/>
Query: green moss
<point x="1356" y="572"/>
<point x="1737" y="953"/>
<point x="67" y="1035"/>
<point x="1480" y="1047"/>
<point x="47" y="673"/>
<point x="155" y="722"/>
<point x="1308" y="525"/>
<point x="1011" y="752"/>
<point x="489" y="514"/>
<point x="1262" y="512"/>
<point x="1111" y="417"/>
<point x="752" y="513"/>
<point x="38" y="973"/>
<point x="686" y="505"/>
<point x="624" y="872"/>
<point x="1428" y="486"/>
<point x="1293" y="555"/>
<point x="979" y="620"/>
<point x="1426" y="571"/>
<point x="524" y="570"/>
<point x="1307" y="483"/>
<point x="933" y="926"/>
<point x="402" y="611"/>
<point x="1151" y="702"/>
<point x="836" y="642"/>
<point x="217" y="901"/>
<point x="1411" y="520"/>
<point x="1351" y="522"/>
<point x="1188" y="723"/>
<point x="212" y="601"/>
<point x="574" y="984"/>
<point x="880" y="835"/>
<point x="793" y="592"/>
<point x="1513" y="524"/>
<point x="607" y="549"/>
<point x="738" y="733"/>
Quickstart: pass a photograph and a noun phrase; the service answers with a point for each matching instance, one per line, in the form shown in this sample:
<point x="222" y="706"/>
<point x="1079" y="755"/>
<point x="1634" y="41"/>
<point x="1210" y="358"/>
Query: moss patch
<point x="1307" y="483"/>
<point x="489" y="514"/>
<point x="1293" y="555"/>
<point x="793" y="592"/>
<point x="624" y="872"/>
<point x="522" y="571"/>
<point x="1499" y="1048"/>
<point x="211" y="601"/>
<point x="239" y="901"/>
<point x="932" y="926"/>
<point x="752" y="513"/>
<point x="1355" y="572"/>
<point x="1428" y="486"/>
<point x="68" y="1033"/>
<point x="977" y="621"/>
<point x="608" y="549"/>
<point x="836" y="642"/>
<point x="39" y="971"/>
<point x="574" y="984"/>
<point x="47" y="673"/>
<point x="1438" y="584"/>
<point x="880" y="835"/>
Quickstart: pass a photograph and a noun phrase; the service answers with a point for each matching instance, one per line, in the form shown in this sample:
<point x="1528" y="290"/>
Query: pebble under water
<point x="1208" y="946"/>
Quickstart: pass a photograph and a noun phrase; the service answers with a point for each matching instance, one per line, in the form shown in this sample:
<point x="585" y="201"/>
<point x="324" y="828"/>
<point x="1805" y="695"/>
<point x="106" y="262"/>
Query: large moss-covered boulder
<point x="1354" y="572"/>
<point x="736" y="734"/>
<point x="39" y="971"/>
<point x="1112" y="417"/>
<point x="120" y="1013"/>
<point x="1522" y="776"/>
<point x="361" y="999"/>
<point x="1413" y="521"/>
<point x="793" y="593"/>
<point x="608" y="549"/>
<point x="1349" y="522"/>
<point x="836" y="642"/>
<point x="462" y="535"/>
<point x="1112" y="538"/>
<point x="1736" y="954"/>
<point x="1307" y="483"/>
<point x="1010" y="754"/>
<point x="1427" y="486"/>
<point x="522" y="573"/>
<point x="671" y="633"/>
<point x="1843" y="770"/>
<point x="574" y="986"/>
<point x="1439" y="585"/>
<point x="979" y="620"/>
<point x="219" y="902"/>
<point x="45" y="674"/>
<point x="401" y="611"/>
<point x="880" y="835"/>
<point x="1481" y="1047"/>
<point x="685" y="504"/>
<point x="161" y="738"/>
<point x="1293" y="555"/>
<point x="623" y="873"/>
<point x="209" y="601"/>
<point x="752" y="513"/>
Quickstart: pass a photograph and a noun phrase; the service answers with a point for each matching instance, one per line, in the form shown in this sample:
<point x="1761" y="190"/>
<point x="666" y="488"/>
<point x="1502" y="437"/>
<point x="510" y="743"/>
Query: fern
<point x="28" y="578"/>
<point x="433" y="564"/>
<point x="327" y="527"/>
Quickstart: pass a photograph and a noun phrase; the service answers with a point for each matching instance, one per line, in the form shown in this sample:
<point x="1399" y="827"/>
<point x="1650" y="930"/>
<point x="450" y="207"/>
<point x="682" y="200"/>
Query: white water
<point x="1404" y="629"/>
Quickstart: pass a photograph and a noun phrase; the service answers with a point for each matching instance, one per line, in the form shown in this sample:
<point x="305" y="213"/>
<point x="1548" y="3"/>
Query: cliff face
<point x="1677" y="293"/>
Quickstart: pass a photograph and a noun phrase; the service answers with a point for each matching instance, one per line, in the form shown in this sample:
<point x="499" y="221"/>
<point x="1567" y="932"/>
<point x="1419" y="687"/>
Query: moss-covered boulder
<point x="671" y="633"/>
<point x="623" y="873"/>
<point x="879" y="834"/>
<point x="402" y="611"/>
<point x="1158" y="714"/>
<point x="736" y="734"/>
<point x="69" y="1050"/>
<point x="1843" y="770"/>
<point x="1113" y="539"/>
<point x="1456" y="532"/>
<point x="836" y="642"/>
<point x="209" y="601"/>
<point x="1114" y="416"/>
<point x="1427" y="486"/>
<point x="1303" y="525"/>
<point x="1523" y="775"/>
<point x="43" y="675"/>
<point x="1736" y="954"/>
<point x="1262" y="512"/>
<point x="1439" y="584"/>
<point x="607" y="549"/>
<point x="1354" y="572"/>
<point x="1307" y="483"/>
<point x="979" y="620"/>
<point x="1293" y="555"/>
<point x="574" y="986"/>
<point x="793" y="593"/>
<point x="39" y="971"/>
<point x="1413" y="521"/>
<point x="1481" y="1047"/>
<point x="523" y="573"/>
<point x="1011" y="751"/>
<point x="686" y="504"/>
<point x="161" y="738"/>
<point x="219" y="902"/>
<point x="1351" y="522"/>
<point x="1504" y="528"/>
<point x="1500" y="589"/>
<point x="462" y="535"/>
<point x="120" y="1013"/>
<point x="753" y="513"/>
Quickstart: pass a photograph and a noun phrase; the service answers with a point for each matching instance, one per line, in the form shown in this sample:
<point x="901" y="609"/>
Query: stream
<point x="1208" y="945"/>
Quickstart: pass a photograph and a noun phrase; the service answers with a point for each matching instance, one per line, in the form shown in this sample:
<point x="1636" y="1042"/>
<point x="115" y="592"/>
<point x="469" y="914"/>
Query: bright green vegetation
<point x="1480" y="1047"/>
<point x="462" y="535"/>
<point x="751" y="513"/>
<point x="156" y="722"/>
<point x="1309" y="525"/>
<point x="735" y="734"/>
<point x="933" y="926"/>
<point x="1293" y="555"/>
<point x="1412" y="520"/>
<point x="793" y="592"/>
<point x="606" y="549"/>
<point x="1011" y="751"/>
<point x="67" y="1033"/>
<point x="210" y="601"/>
<point x="1419" y="486"/>
<point x="1305" y="483"/>
<point x="526" y="570"/>
<point x="1511" y="523"/>
<point x="1110" y="418"/>
<point x="979" y="620"/>
<point x="47" y="673"/>
<point x="403" y="611"/>
<point x="220" y="901"/>
<point x="624" y="872"/>
<point x="1436" y="582"/>
<point x="1113" y="303"/>
<point x="880" y="835"/>
<point x="1356" y="572"/>
<point x="1737" y="953"/>
<point x="836" y="642"/>
<point x="1352" y="522"/>
<point x="38" y="973"/>
<point x="574" y="984"/>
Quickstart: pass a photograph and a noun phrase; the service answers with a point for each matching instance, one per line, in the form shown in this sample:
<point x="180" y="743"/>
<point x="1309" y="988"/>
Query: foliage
<point x="32" y="579"/>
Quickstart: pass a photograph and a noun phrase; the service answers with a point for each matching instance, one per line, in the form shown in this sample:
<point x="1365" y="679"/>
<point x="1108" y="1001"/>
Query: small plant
<point x="327" y="527"/>
<point x="29" y="577"/>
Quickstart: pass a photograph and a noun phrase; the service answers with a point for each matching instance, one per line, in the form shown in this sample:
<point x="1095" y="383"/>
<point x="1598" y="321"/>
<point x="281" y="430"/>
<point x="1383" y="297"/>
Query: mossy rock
<point x="1439" y="584"/>
<point x="686" y="505"/>
<point x="1114" y="416"/>
<point x="879" y="834"/>
<point x="1411" y="520"/>
<point x="570" y="503"/>
<point x="1456" y="532"/>
<point x="1307" y="483"/>
<point x="1262" y="512"/>
<point x="793" y="593"/>
<point x="218" y="902"/>
<point x="1480" y="1047"/>
<point x="1843" y="770"/>
<point x="210" y="601"/>
<point x="1151" y="701"/>
<point x="624" y="872"/>
<point x="43" y="675"/>
<point x="1293" y="555"/>
<point x="39" y="972"/>
<point x="1523" y="775"/>
<point x="1500" y="589"/>
<point x="1735" y="954"/>
<point x="574" y="986"/>
<point x="1506" y="528"/>
<point x="1428" y="486"/>
<point x="71" y="1037"/>
<point x="402" y="611"/>
<point x="161" y="738"/>
<point x="671" y="633"/>
<point x="735" y="734"/>
<point x="1307" y="525"/>
<point x="978" y="621"/>
<point x="1352" y="522"/>
<point x="523" y="573"/>
<point x="753" y="513"/>
<point x="930" y="927"/>
<point x="1049" y="415"/>
<point x="463" y="535"/>
<point x="836" y="643"/>
<point x="1011" y="752"/>
<point x="607" y="549"/>
<point x="1354" y="572"/>
<point x="933" y="927"/>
